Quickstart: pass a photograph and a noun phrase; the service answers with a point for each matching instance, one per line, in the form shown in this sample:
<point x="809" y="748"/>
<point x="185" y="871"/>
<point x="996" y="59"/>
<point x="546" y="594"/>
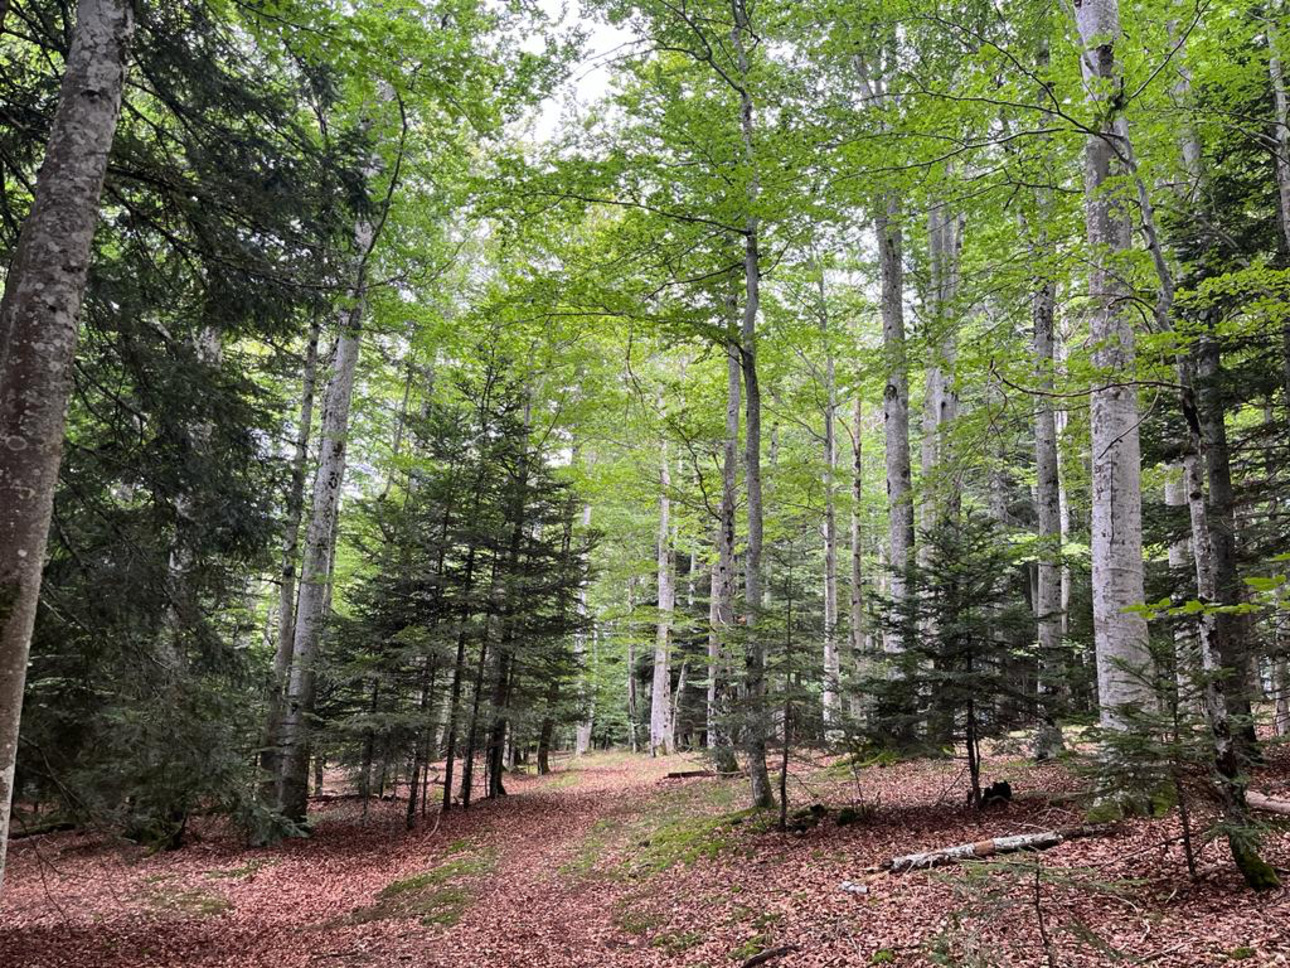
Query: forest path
<point x="606" y="864"/>
<point x="544" y="904"/>
<point x="484" y="887"/>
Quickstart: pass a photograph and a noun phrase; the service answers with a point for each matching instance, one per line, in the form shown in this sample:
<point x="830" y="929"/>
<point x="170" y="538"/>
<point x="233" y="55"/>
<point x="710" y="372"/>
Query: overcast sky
<point x="589" y="79"/>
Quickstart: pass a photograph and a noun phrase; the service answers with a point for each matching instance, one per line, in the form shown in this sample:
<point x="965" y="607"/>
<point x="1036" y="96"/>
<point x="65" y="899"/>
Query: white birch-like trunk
<point x="43" y="290"/>
<point x="895" y="412"/>
<point x="587" y="689"/>
<point x="290" y="551"/>
<point x="1180" y="562"/>
<point x="632" y="700"/>
<point x="1120" y="634"/>
<point x="1281" y="115"/>
<point x="315" y="571"/>
<point x="832" y="691"/>
<point x="724" y="581"/>
<point x="859" y="644"/>
<point x="1048" y="591"/>
<point x="660" y="715"/>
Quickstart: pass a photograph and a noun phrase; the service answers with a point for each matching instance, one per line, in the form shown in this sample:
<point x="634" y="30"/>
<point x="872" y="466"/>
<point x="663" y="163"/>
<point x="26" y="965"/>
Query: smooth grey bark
<point x="290" y="552"/>
<point x="1048" y="591"/>
<point x="724" y="580"/>
<point x="43" y="290"/>
<point x="314" y="602"/>
<point x="895" y="414"/>
<point x="315" y="571"/>
<point x="587" y="688"/>
<point x="660" y="717"/>
<point x="1120" y="634"/>
<point x="1061" y="418"/>
<point x="632" y="701"/>
<point x="756" y="725"/>
<point x="1182" y="566"/>
<point x="858" y="632"/>
<point x="1280" y="119"/>
<point x="832" y="686"/>
<point x="940" y="399"/>
<point x="1281" y="687"/>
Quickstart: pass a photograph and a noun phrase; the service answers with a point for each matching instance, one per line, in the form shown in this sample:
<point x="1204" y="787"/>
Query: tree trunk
<point x="1048" y="593"/>
<point x="754" y="733"/>
<point x="472" y="728"/>
<point x="832" y="687"/>
<point x="632" y="701"/>
<point x="420" y="749"/>
<point x="586" y="674"/>
<point x="311" y="614"/>
<point x="895" y="413"/>
<point x="1120" y="635"/>
<point x="43" y="290"/>
<point x="723" y="576"/>
<point x="1280" y="122"/>
<point x="287" y="589"/>
<point x="660" y="718"/>
<point x="1182" y="568"/>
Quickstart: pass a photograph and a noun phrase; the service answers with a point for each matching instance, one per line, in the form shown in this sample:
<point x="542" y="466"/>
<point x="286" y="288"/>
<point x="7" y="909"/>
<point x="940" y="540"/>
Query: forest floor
<point x="607" y="863"/>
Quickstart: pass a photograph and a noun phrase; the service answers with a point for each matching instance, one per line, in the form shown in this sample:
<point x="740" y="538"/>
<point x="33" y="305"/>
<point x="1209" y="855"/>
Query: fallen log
<point x="1259" y="801"/>
<point x="988" y="848"/>
<point x="687" y="774"/>
<point x="769" y="955"/>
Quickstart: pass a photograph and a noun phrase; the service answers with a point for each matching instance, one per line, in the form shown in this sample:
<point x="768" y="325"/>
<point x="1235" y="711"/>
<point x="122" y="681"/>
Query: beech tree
<point x="43" y="289"/>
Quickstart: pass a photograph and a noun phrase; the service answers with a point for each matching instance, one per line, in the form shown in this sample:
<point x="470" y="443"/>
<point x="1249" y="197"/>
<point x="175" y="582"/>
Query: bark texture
<point x="895" y="415"/>
<point x="660" y="712"/>
<point x="1120" y="635"/>
<point x="1048" y="591"/>
<point x="43" y="290"/>
<point x="290" y="553"/>
<point x="723" y="576"/>
<point x="832" y="686"/>
<point x="756" y="726"/>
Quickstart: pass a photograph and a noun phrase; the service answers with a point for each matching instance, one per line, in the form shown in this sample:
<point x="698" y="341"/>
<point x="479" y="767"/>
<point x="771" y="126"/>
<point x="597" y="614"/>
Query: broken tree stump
<point x="988" y="848"/>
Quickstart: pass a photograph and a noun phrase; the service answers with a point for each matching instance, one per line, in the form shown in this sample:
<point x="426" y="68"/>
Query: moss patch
<point x="678" y="826"/>
<point x="190" y="902"/>
<point x="676" y="942"/>
<point x="239" y="873"/>
<point x="439" y="896"/>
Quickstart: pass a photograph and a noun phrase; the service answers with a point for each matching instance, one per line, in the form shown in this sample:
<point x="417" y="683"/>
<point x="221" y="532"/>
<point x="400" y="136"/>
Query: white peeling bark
<point x="38" y="322"/>
<point x="1120" y="635"/>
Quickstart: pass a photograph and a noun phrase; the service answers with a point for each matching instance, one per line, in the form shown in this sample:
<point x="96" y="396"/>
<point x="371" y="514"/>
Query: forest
<point x="644" y="482"/>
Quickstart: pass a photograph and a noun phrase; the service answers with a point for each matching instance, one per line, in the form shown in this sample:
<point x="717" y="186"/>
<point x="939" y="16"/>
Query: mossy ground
<point x="438" y="896"/>
<point x="184" y="901"/>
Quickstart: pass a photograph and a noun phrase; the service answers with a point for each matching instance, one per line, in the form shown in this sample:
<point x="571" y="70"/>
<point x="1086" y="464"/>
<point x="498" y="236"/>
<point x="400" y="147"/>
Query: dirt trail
<point x="606" y="865"/>
<point x="72" y="901"/>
